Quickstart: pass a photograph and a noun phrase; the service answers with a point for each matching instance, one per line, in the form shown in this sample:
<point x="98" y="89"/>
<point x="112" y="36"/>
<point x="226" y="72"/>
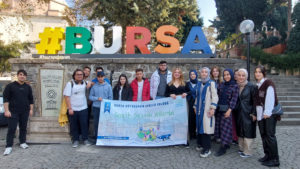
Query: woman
<point x="265" y="100"/>
<point x="192" y="84"/>
<point x="246" y="114"/>
<point x="228" y="94"/>
<point x="177" y="86"/>
<point x="215" y="75"/>
<point x="122" y="90"/>
<point x="205" y="106"/>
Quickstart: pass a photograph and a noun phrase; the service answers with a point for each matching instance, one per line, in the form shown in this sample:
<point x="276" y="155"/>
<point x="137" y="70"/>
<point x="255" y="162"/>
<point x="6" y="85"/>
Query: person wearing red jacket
<point x="140" y="87"/>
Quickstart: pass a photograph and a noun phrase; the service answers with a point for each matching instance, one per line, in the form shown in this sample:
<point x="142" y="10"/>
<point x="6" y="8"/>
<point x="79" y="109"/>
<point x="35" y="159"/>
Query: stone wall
<point x="123" y="65"/>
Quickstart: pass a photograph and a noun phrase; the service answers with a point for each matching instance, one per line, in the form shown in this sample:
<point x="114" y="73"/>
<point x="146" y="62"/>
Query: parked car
<point x="3" y="119"/>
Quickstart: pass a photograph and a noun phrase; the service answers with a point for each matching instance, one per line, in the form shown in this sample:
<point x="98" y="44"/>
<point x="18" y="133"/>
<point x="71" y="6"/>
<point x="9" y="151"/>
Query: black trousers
<point x="22" y="119"/>
<point x="204" y="141"/>
<point x="192" y="118"/>
<point x="267" y="129"/>
<point x="78" y="123"/>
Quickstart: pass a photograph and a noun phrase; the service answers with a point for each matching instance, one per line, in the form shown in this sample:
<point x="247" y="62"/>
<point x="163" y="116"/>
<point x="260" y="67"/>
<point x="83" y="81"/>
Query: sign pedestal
<point x="44" y="127"/>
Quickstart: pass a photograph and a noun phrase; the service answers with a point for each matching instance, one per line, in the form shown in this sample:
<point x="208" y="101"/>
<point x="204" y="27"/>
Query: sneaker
<point x="205" y="153"/>
<point x="75" y="144"/>
<point x="24" y="145"/>
<point x="7" y="151"/>
<point x="199" y="148"/>
<point x="87" y="143"/>
<point x="245" y="155"/>
<point x="240" y="152"/>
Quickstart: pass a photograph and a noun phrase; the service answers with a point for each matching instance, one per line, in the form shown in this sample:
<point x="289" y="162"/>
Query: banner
<point x="161" y="122"/>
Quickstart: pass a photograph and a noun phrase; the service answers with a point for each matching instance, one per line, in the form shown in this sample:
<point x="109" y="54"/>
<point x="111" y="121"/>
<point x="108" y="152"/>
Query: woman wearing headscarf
<point x="246" y="114"/>
<point x="205" y="106"/>
<point x="192" y="84"/>
<point x="228" y="94"/>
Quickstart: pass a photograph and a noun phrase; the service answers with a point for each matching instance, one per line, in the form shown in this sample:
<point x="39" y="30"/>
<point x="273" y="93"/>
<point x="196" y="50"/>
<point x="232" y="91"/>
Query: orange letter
<point x="141" y="44"/>
<point x="161" y="36"/>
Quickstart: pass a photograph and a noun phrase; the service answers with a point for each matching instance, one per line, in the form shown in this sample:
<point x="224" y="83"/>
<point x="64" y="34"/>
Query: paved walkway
<point x="64" y="156"/>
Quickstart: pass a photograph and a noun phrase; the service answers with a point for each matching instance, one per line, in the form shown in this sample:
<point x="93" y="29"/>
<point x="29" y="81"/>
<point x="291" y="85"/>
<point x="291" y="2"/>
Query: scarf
<point x="243" y="84"/>
<point x="206" y="79"/>
<point x="193" y="81"/>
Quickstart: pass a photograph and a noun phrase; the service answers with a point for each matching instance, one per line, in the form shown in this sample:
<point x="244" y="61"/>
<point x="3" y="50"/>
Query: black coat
<point x="126" y="93"/>
<point x="246" y="127"/>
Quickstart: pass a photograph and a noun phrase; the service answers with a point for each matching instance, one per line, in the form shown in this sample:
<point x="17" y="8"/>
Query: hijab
<point x="204" y="80"/>
<point x="232" y="81"/>
<point x="195" y="81"/>
<point x="243" y="84"/>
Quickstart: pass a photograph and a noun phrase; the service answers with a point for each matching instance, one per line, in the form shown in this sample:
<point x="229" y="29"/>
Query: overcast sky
<point x="207" y="10"/>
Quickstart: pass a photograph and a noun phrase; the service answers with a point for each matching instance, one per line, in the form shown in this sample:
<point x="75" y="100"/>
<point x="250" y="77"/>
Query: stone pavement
<point x="64" y="156"/>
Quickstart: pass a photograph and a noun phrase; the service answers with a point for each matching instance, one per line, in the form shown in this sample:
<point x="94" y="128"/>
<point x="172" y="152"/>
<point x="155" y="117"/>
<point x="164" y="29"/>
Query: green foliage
<point x="294" y="39"/>
<point x="12" y="50"/>
<point x="230" y="41"/>
<point x="271" y="41"/>
<point x="189" y="23"/>
<point x="232" y="12"/>
<point x="285" y="62"/>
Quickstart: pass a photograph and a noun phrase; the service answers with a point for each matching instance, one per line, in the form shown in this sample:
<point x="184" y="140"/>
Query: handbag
<point x="223" y="107"/>
<point x="277" y="110"/>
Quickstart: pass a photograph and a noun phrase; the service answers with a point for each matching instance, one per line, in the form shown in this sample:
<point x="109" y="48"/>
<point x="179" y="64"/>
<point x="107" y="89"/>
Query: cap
<point x="100" y="74"/>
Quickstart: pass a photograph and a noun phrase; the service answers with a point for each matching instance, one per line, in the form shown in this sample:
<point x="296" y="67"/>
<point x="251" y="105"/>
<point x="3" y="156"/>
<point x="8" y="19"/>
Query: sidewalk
<point x="64" y="156"/>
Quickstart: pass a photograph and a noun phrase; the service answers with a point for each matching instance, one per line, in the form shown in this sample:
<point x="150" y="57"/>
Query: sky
<point x="207" y="10"/>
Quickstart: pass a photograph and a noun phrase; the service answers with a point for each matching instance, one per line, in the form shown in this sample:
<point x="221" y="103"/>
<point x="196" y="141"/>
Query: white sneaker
<point x="205" y="154"/>
<point x="7" y="151"/>
<point x="24" y="146"/>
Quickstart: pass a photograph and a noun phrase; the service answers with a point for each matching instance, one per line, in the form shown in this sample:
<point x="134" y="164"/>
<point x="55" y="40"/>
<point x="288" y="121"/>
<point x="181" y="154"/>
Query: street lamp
<point x="246" y="27"/>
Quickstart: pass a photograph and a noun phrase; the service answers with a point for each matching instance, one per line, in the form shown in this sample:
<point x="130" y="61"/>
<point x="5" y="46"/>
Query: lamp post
<point x="246" y="27"/>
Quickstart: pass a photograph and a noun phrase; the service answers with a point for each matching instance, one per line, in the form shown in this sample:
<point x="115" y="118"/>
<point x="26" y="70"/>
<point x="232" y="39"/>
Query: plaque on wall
<point x="51" y="91"/>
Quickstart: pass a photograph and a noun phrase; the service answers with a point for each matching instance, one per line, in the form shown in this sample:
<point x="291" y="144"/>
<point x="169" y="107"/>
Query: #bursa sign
<point x="79" y="36"/>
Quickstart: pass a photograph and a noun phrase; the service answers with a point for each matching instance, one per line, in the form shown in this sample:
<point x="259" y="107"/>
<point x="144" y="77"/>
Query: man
<point x="140" y="87"/>
<point x="87" y="72"/>
<point x="75" y="95"/>
<point x="18" y="105"/>
<point x="159" y="81"/>
<point x="100" y="90"/>
<point x="100" y="69"/>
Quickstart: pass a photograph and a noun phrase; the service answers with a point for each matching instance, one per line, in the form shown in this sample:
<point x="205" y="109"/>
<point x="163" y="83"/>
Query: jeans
<point x="159" y="97"/>
<point x="96" y="114"/>
<point x="78" y="121"/>
<point x="22" y="119"/>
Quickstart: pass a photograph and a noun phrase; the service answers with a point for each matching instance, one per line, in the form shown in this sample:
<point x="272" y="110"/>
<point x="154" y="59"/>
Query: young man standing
<point x="18" y="105"/>
<point x="100" y="90"/>
<point x="140" y="87"/>
<point x="159" y="81"/>
<point x="75" y="95"/>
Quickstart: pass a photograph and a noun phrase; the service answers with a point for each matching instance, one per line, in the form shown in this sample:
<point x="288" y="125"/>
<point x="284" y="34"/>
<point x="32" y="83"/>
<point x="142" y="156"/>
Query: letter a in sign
<point x="190" y="44"/>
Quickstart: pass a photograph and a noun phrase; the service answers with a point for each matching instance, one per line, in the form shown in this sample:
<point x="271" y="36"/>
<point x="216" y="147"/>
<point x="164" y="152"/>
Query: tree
<point x="232" y="12"/>
<point x="12" y="50"/>
<point x="188" y="24"/>
<point x="294" y="38"/>
<point x="147" y="13"/>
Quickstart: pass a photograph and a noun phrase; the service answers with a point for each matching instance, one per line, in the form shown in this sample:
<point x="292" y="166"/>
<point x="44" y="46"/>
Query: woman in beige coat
<point x="205" y="106"/>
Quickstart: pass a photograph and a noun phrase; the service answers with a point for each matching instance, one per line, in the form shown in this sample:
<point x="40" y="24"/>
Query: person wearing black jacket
<point x="246" y="114"/>
<point x="18" y="105"/>
<point x="122" y="90"/>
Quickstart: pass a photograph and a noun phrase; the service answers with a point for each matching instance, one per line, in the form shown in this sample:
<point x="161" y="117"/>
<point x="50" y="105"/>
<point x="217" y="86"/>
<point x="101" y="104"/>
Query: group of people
<point x="221" y="105"/>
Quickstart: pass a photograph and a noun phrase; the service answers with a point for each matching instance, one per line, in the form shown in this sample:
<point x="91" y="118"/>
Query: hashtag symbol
<point x="50" y="41"/>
